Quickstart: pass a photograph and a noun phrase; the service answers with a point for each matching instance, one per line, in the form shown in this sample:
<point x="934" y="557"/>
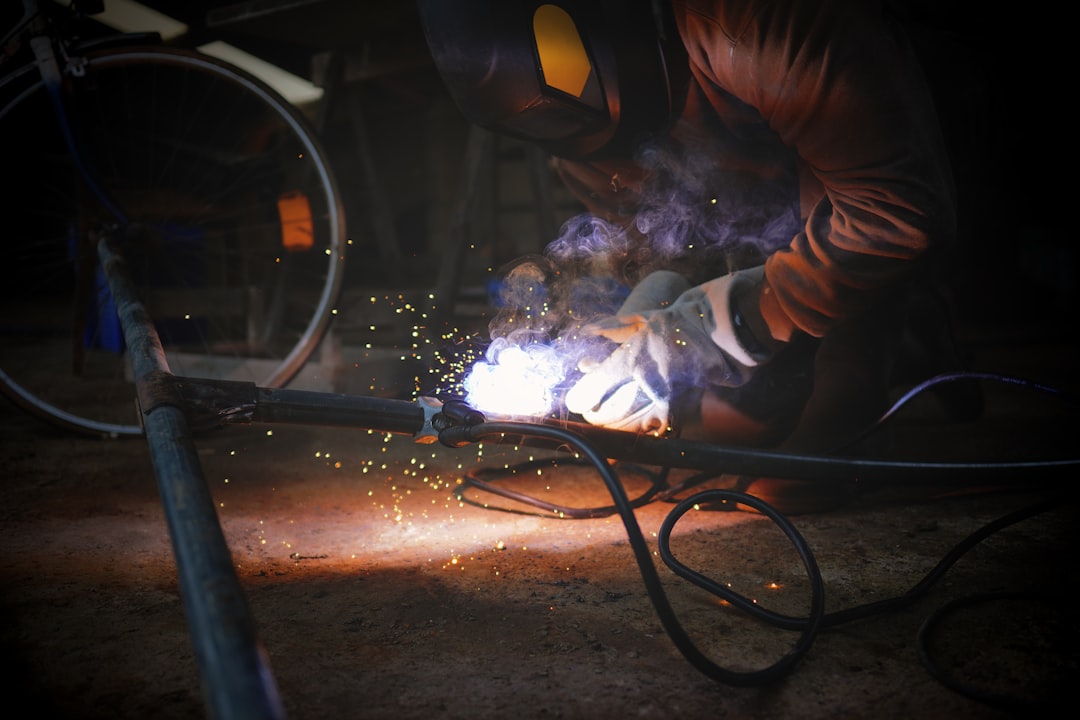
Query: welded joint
<point x="205" y="403"/>
<point x="157" y="388"/>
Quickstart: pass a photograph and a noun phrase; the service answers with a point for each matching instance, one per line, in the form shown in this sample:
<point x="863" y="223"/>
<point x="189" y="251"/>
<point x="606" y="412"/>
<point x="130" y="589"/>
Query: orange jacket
<point x="831" y="91"/>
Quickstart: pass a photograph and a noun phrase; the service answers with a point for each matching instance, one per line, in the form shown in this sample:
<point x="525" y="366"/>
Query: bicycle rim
<point x="235" y="239"/>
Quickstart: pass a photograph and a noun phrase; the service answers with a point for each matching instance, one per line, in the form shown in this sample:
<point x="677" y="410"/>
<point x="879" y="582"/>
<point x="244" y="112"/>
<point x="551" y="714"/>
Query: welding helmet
<point x="583" y="80"/>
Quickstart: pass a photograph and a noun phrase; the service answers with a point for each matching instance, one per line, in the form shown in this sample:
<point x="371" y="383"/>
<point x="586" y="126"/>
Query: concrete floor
<point x="378" y="593"/>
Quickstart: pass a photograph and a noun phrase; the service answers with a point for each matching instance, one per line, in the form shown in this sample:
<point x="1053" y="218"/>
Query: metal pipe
<point x="213" y="402"/>
<point x="236" y="679"/>
<point x="308" y="407"/>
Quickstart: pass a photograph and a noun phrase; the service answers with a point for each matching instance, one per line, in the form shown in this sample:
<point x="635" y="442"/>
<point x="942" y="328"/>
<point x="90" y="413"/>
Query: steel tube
<point x="236" y="679"/>
<point x="308" y="407"/>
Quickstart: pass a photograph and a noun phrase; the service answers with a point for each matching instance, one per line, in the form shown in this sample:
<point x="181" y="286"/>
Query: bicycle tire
<point x="236" y="236"/>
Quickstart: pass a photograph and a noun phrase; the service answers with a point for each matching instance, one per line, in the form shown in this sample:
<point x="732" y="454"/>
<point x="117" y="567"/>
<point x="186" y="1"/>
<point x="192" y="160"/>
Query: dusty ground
<point x="378" y="594"/>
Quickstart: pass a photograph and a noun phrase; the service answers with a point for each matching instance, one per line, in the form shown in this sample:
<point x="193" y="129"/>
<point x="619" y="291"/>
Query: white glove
<point x="665" y="351"/>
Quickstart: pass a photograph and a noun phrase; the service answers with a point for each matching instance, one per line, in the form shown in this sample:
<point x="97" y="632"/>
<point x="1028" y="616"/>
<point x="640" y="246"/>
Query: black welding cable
<point x="742" y="602"/>
<point x="474" y="478"/>
<point x="959" y="550"/>
<point x="839" y="617"/>
<point x="817" y="619"/>
<point x="809" y="626"/>
<point x="456" y="435"/>
<point x="950" y="377"/>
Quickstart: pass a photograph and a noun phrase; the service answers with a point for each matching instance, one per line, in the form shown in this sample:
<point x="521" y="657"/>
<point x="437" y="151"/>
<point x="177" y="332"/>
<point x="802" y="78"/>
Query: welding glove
<point x="672" y="338"/>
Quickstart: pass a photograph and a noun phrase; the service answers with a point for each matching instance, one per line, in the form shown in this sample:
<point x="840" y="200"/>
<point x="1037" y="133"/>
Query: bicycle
<point x="232" y="224"/>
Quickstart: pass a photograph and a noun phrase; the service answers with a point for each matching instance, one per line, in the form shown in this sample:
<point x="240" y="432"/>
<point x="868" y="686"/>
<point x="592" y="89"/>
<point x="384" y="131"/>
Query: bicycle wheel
<point x="235" y="234"/>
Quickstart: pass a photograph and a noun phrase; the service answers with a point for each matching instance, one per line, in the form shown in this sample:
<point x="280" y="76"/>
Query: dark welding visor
<point x="580" y="79"/>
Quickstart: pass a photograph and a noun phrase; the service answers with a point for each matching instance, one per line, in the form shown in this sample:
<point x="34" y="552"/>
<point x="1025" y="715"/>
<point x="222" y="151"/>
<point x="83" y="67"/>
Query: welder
<point x="779" y="327"/>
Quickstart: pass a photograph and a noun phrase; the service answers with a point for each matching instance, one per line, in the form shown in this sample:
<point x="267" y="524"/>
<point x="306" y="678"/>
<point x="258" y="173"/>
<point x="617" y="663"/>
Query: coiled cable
<point x="817" y="619"/>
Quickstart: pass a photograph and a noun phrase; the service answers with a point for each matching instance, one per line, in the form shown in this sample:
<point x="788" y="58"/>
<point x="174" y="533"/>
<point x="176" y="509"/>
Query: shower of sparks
<point x="508" y="376"/>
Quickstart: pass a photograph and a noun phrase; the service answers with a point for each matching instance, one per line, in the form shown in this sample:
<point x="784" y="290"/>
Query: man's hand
<point x="671" y="340"/>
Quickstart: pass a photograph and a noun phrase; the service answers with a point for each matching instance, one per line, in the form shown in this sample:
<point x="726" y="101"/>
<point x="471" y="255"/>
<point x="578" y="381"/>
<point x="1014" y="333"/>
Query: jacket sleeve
<point x="834" y="81"/>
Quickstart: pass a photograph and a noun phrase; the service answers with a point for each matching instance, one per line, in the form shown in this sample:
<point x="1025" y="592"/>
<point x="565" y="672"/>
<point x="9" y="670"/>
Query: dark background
<point x="999" y="79"/>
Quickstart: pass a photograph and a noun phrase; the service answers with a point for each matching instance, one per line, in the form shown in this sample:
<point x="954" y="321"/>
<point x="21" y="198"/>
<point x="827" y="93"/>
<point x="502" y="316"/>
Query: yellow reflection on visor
<point x="563" y="60"/>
